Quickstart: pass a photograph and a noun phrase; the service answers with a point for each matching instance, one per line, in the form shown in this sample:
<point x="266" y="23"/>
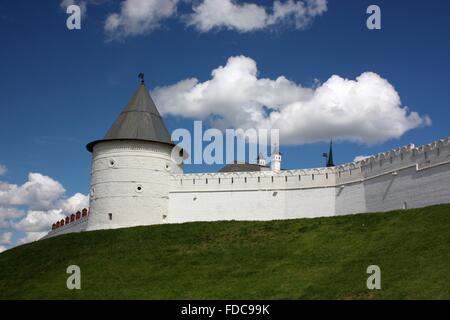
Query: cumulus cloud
<point x="39" y="192"/>
<point x="365" y="110"/>
<point x="3" y="169"/>
<point x="74" y="203"/>
<point x="5" y="238"/>
<point x="210" y="14"/>
<point x="138" y="17"/>
<point x="38" y="221"/>
<point x="45" y="201"/>
<point x="8" y="214"/>
<point x="142" y="16"/>
<point x="228" y="14"/>
<point x="2" y="249"/>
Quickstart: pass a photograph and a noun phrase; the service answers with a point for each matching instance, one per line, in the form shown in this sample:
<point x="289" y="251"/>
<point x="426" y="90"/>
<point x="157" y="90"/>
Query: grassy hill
<point x="324" y="258"/>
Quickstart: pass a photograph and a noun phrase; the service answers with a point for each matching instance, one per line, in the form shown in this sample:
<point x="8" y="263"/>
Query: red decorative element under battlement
<point x="69" y="219"/>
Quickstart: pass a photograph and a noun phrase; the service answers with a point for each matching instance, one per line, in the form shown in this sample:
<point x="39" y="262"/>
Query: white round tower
<point x="131" y="168"/>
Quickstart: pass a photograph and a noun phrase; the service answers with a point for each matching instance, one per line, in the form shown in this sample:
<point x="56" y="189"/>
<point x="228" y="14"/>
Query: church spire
<point x="329" y="155"/>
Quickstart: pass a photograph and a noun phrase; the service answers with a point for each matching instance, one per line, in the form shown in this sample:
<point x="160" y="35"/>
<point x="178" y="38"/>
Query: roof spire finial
<point x="141" y="76"/>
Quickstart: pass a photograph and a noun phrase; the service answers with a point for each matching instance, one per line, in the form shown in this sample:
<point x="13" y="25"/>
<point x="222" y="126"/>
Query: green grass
<point x="324" y="258"/>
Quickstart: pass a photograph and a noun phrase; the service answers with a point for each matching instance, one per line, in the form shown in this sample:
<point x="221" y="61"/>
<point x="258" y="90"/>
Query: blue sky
<point x="61" y="89"/>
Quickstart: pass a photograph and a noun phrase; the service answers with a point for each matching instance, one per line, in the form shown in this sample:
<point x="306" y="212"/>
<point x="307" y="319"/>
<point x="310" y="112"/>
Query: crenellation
<point x="382" y="164"/>
<point x="254" y="180"/>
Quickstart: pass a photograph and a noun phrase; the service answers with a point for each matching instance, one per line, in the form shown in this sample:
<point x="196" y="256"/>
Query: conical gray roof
<point x="139" y="120"/>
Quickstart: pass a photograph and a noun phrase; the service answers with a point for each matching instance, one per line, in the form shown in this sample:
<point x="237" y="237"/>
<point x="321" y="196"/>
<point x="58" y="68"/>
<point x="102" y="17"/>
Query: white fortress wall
<point x="408" y="177"/>
<point x="349" y="190"/>
<point x="251" y="195"/>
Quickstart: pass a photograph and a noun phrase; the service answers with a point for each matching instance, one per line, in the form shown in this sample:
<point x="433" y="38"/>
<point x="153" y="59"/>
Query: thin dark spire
<point x="329" y="155"/>
<point x="330" y="162"/>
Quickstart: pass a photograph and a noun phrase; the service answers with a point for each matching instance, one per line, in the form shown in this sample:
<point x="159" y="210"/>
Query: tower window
<point x="110" y="216"/>
<point x="112" y="163"/>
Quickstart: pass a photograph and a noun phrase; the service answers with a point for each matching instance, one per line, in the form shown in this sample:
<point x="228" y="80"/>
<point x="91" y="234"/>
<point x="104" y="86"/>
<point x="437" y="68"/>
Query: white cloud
<point x="138" y="17"/>
<point x="2" y="249"/>
<point x="142" y="16"/>
<point x="210" y="14"/>
<point x="39" y="192"/>
<point x="5" y="238"/>
<point x="228" y="14"/>
<point x="45" y="201"/>
<point x="365" y="110"/>
<point x="76" y="202"/>
<point x="8" y="214"/>
<point x="3" y="169"/>
<point x="38" y="221"/>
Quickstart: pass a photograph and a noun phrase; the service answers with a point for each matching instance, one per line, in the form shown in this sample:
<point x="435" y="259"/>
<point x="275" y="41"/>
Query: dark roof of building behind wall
<point x="242" y="167"/>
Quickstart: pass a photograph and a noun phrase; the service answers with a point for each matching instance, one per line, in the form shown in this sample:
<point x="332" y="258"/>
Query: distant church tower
<point x="131" y="168"/>
<point x="276" y="160"/>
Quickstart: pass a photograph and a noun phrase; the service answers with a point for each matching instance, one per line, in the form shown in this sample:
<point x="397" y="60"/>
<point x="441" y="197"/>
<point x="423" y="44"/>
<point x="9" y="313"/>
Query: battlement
<point x="383" y="163"/>
<point x="259" y="180"/>
<point x="406" y="151"/>
<point x="73" y="223"/>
